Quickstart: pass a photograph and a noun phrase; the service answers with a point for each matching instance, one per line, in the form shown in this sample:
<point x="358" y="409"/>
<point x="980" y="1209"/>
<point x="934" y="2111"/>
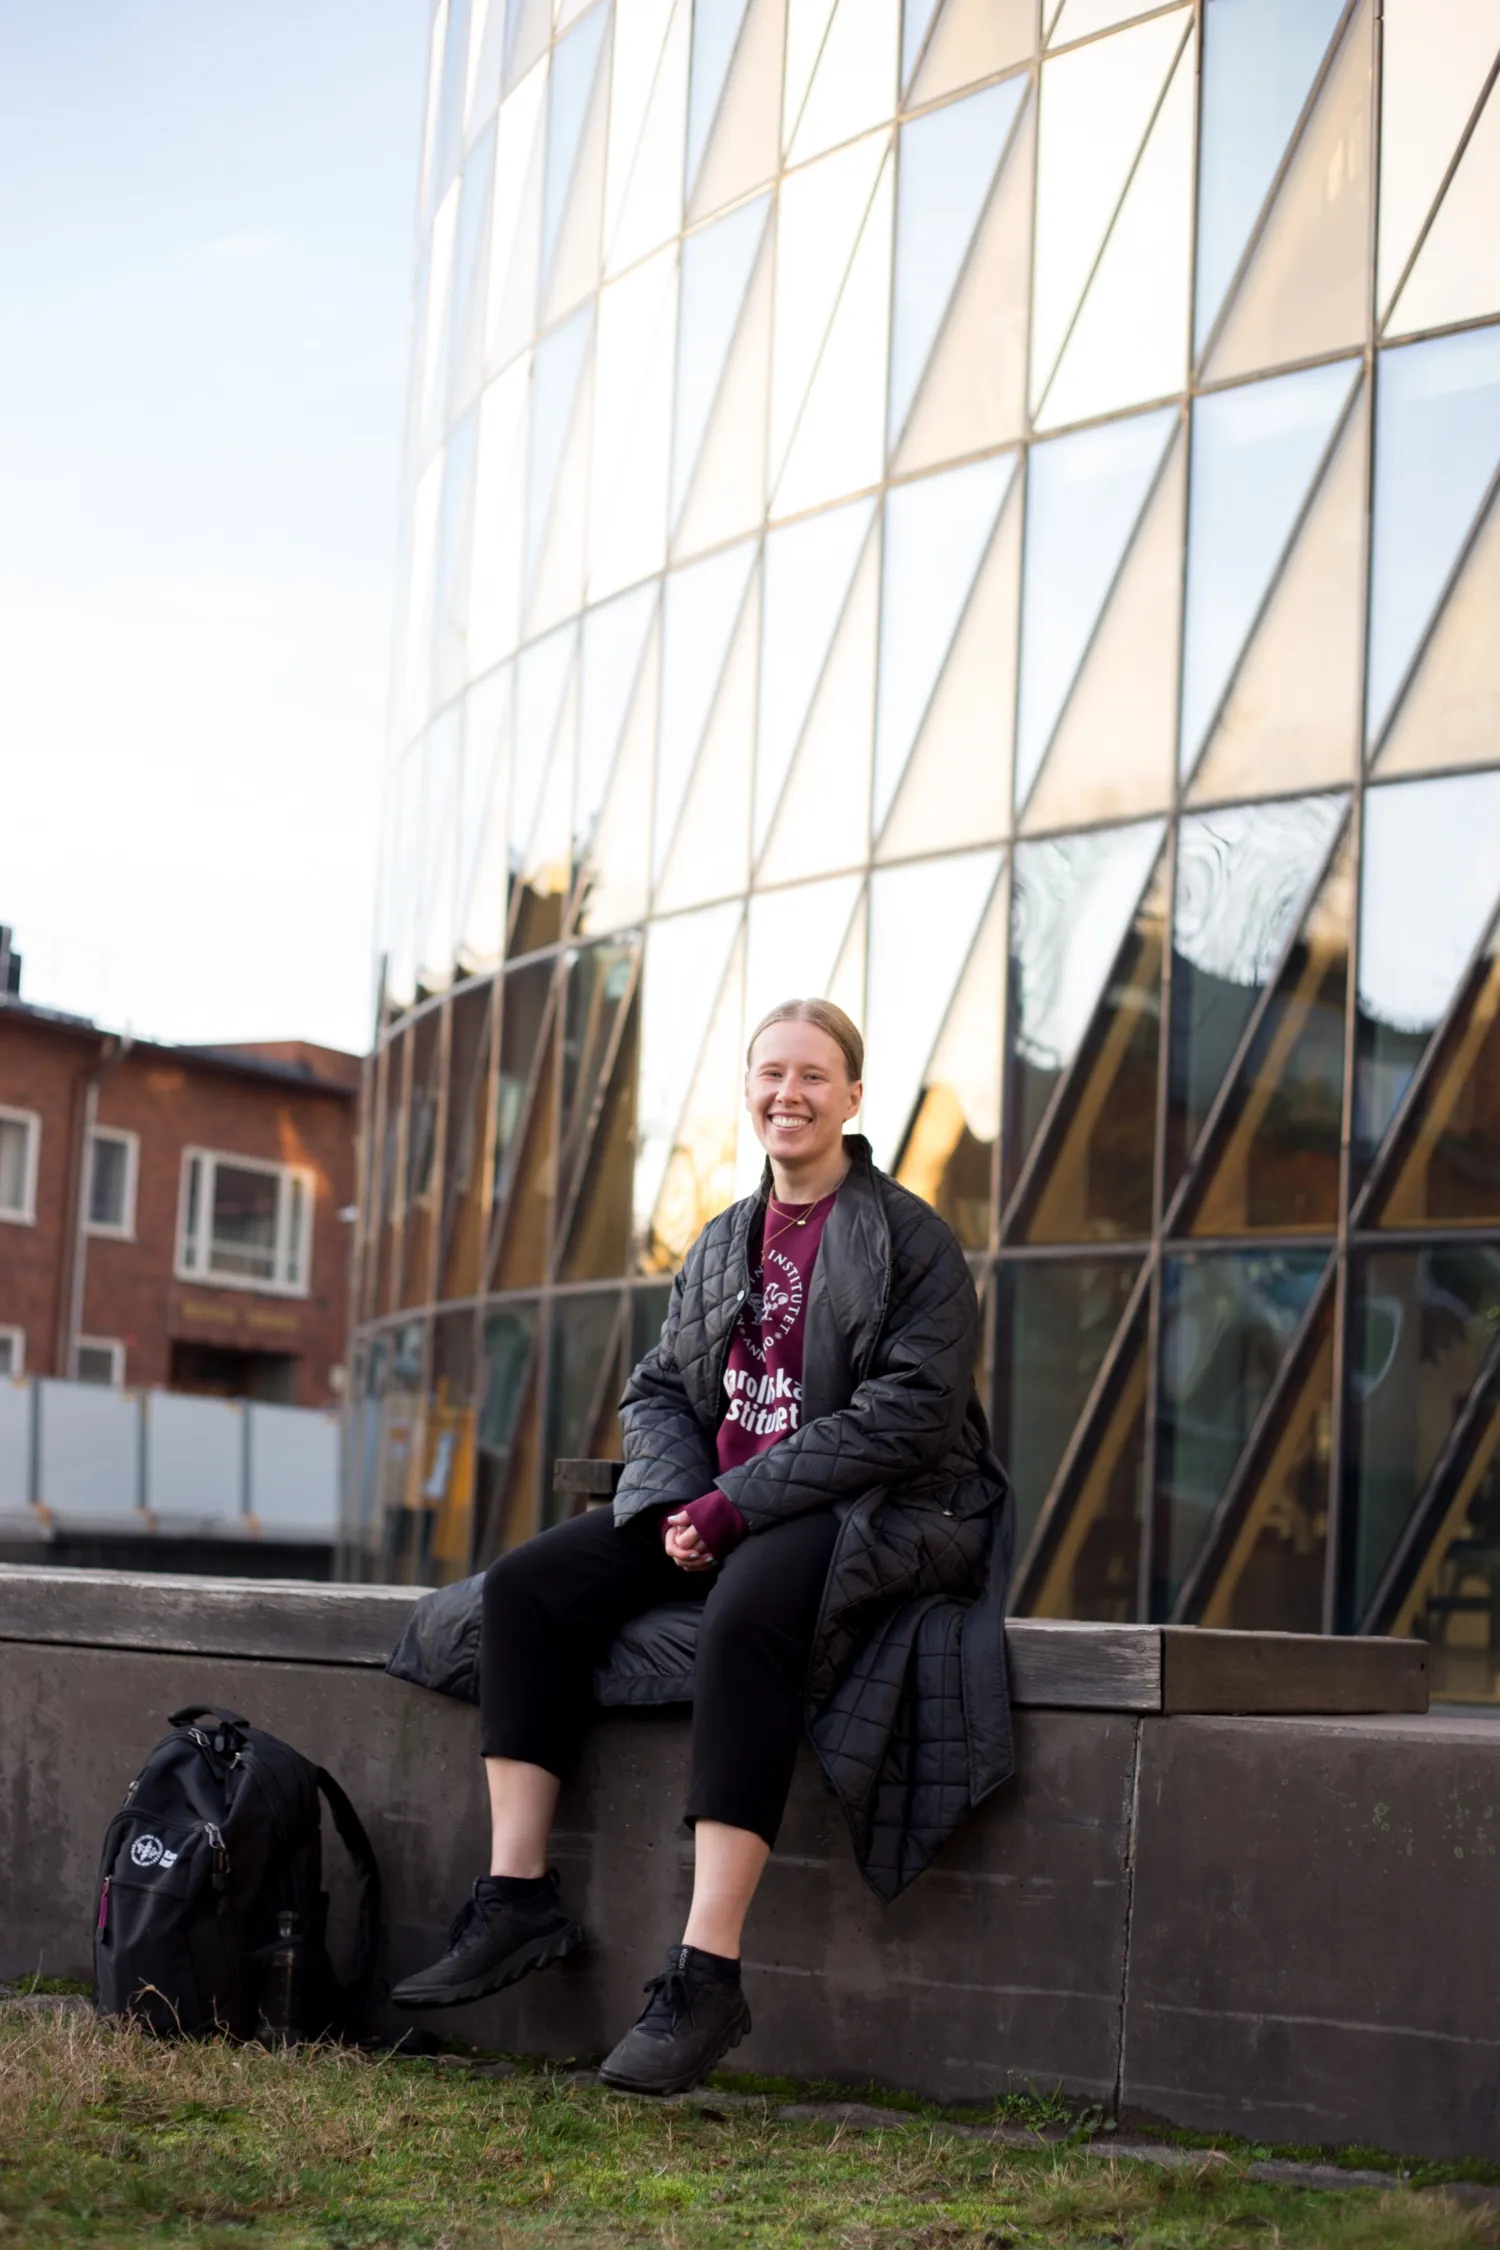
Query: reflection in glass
<point x="937" y="531"/>
<point x="612" y="652"/>
<point x="1084" y="496"/>
<point x="1450" y="713"/>
<point x="1436" y="55"/>
<point x="1427" y="898"/>
<point x="450" y="560"/>
<point x="724" y="495"/>
<point x="486" y="61"/>
<point x="1306" y="289"/>
<point x="465" y="1170"/>
<point x="593" y="1225"/>
<point x="1457" y="274"/>
<point x="541" y="770"/>
<point x="924" y="919"/>
<point x="854" y="80"/>
<point x="612" y="884"/>
<point x="632" y="426"/>
<point x="1087" y="1563"/>
<point x="1256" y="451"/>
<point x="948" y="1155"/>
<point x="716" y="267"/>
<point x="1273" y="1163"/>
<point x="949" y="160"/>
<point x="717" y="26"/>
<point x="442" y="1522"/>
<point x="515" y="231"/>
<point x="437" y="325"/>
<point x="1423" y="1327"/>
<point x="523" y="1012"/>
<point x="1129" y="338"/>
<point x="583" y="1381"/>
<point x="1086" y="948"/>
<point x="396" y="1375"/>
<point x="1260" y="58"/>
<point x="838" y="443"/>
<point x="1453" y="1602"/>
<point x="523" y="1226"/>
<point x="823" y="816"/>
<point x="424" y="1131"/>
<point x="1054" y="1322"/>
<point x="1291" y="717"/>
<point x="808" y="570"/>
<point x="505" y="1436"/>
<point x="971" y="40"/>
<point x="1268" y="1574"/>
<point x="575" y="65"/>
<point x="647" y="126"/>
<point x="1227" y="1322"/>
<point x="1097" y="103"/>
<point x="1244" y="877"/>
<point x="557" y="382"/>
<point x="1437" y="445"/>
<point x="686" y="1027"/>
<point x="744" y="144"/>
<point x="701" y="607"/>
<point x="1112" y="755"/>
<point x="499" y="518"/>
<point x="1449" y="1151"/>
<point x="470" y="260"/>
<point x="823" y="210"/>
<point x="600" y="983"/>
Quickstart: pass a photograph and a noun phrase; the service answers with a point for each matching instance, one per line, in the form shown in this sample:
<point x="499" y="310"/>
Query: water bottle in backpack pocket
<point x="211" y="1912"/>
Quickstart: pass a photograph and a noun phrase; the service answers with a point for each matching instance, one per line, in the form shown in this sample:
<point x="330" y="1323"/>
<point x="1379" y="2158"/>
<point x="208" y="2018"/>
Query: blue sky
<point x="206" y="212"/>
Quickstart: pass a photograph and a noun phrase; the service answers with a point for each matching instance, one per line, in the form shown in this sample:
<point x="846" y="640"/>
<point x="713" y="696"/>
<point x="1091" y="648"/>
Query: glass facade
<point x="989" y="513"/>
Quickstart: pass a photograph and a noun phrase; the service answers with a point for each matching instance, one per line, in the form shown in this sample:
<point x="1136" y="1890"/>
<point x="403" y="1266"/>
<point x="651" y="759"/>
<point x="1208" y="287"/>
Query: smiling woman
<point x="807" y="1462"/>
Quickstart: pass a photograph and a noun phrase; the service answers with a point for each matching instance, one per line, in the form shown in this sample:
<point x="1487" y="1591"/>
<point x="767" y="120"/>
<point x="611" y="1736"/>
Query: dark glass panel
<point x="1054" y="1322"/>
<point x="600" y="981"/>
<point x="523" y="1013"/>
<point x="1454" y="1602"/>
<point x="526" y="1223"/>
<point x="1268" y="1577"/>
<point x="648" y="1310"/>
<point x="1449" y="1153"/>
<point x="445" y="1494"/>
<point x="596" y="1228"/>
<point x="1091" y="1567"/>
<point x="1243" y="880"/>
<point x="505" y="1438"/>
<point x="394" y="1507"/>
<point x="423" y="1166"/>
<point x="583" y="1384"/>
<point x="465" y="1174"/>
<point x="1423" y="1323"/>
<point x="1227" y="1322"/>
<point x="1273" y="1163"/>
<point x="386" y="1217"/>
<point x="1087" y="963"/>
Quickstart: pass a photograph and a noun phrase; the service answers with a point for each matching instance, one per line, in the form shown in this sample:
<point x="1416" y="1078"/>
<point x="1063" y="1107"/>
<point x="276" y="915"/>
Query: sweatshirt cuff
<point x="717" y="1521"/>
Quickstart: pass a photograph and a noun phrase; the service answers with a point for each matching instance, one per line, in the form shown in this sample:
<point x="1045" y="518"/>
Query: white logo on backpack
<point x="147" y="1850"/>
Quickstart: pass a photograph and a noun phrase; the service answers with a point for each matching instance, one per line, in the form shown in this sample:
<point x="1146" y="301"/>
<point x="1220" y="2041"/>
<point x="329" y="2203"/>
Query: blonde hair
<point x="827" y="1018"/>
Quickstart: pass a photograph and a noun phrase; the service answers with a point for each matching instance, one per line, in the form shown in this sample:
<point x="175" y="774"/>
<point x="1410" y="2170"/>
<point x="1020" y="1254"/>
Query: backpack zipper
<point x="221" y="1856"/>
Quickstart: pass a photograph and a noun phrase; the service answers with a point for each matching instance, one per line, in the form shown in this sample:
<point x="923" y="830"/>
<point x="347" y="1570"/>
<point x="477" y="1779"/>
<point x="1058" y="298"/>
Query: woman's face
<point x="799" y="1093"/>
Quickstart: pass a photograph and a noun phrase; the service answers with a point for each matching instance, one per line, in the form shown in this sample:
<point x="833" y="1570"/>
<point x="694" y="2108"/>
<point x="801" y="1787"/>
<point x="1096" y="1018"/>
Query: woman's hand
<point x="685" y="1544"/>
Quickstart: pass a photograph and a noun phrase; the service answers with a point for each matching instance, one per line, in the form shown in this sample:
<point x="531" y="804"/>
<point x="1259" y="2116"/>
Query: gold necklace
<point x="781" y="1214"/>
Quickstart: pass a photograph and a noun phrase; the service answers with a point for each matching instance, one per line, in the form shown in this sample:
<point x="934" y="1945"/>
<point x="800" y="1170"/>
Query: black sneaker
<point x="493" y="1943"/>
<point x="696" y="2013"/>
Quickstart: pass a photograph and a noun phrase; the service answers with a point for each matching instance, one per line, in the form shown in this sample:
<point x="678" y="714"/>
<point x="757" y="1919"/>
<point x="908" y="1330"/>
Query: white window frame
<point x="125" y="1232"/>
<point x="110" y="1344"/>
<point x="16" y="1337"/>
<point x="26" y="1216"/>
<point x="198" y="1269"/>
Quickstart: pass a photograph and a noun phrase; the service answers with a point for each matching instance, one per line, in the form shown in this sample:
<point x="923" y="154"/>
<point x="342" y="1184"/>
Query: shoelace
<point x="671" y="1996"/>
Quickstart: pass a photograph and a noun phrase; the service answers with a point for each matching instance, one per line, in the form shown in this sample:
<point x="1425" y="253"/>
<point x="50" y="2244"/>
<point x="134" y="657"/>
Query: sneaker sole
<point x="540" y="1954"/>
<point x="684" y="2083"/>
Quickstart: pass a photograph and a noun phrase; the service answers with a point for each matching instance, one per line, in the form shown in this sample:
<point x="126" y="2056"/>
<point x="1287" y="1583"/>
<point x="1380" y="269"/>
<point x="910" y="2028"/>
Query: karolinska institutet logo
<point x="773" y="1307"/>
<point x="150" y="1851"/>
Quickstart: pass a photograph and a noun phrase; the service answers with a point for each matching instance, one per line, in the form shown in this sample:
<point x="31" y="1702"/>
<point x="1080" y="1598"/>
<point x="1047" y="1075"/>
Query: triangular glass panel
<point x="1085" y="1557"/>
<point x="1307" y="286"/>
<point x="716" y="267"/>
<point x="437" y="326"/>
<point x="614" y="643"/>
<point x="807" y="23"/>
<point x="499" y="518"/>
<point x="1084" y="497"/>
<point x="452" y="551"/>
<point x="1129" y="340"/>
<point x="448" y="129"/>
<point x="542" y="679"/>
<point x="525" y="1225"/>
<point x="461" y="1252"/>
<point x="1435" y="58"/>
<point x="916" y="22"/>
<point x="854" y="83"/>
<point x="744" y="146"/>
<point x="1088" y="925"/>
<point x="1450" y="714"/>
<point x="970" y="393"/>
<point x="641" y="28"/>
<point x="710" y="852"/>
<point x="427" y="170"/>
<point x="717" y="25"/>
<point x="637" y="334"/>
<point x="1244" y="877"/>
<point x="725" y="490"/>
<point x="1457" y="271"/>
<point x="956" y="787"/>
<point x="1256" y="452"/>
<point x="516" y="221"/>
<point x="823" y="210"/>
<point x="486" y="58"/>
<point x="948" y="1152"/>
<point x="436" y="899"/>
<point x="571" y="268"/>
<point x="652" y="209"/>
<point x="846" y="984"/>
<point x="924" y="919"/>
<point x="1080" y="19"/>
<point x="598" y="1223"/>
<point x="1272" y="1164"/>
<point x="540" y="892"/>
<point x="1228" y="1319"/>
<point x="528" y="27"/>
<point x="570" y="93"/>
<point x="1097" y="105"/>
<point x="808" y="570"/>
<point x="691" y="1082"/>
<point x="1291" y="717"/>
<point x="1259" y="66"/>
<point x="470" y="264"/>
<point x="613" y="881"/>
<point x="701" y="608"/>
<point x="1427" y="898"/>
<point x="937" y="532"/>
<point x="949" y="161"/>
<point x="1446" y="1168"/>
<point x="972" y="40"/>
<point x="482" y="811"/>
<point x="823" y="821"/>
<point x="1437" y="446"/>
<point x="600" y="983"/>
<point x="558" y="368"/>
<point x="1112" y="754"/>
<point x="839" y="441"/>
<point x="556" y="590"/>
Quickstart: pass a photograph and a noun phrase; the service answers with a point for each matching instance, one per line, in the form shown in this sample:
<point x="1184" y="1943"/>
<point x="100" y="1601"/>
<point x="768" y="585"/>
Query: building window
<point x="99" y="1359"/>
<point x="114" y="1158"/>
<point x="12" y="1351"/>
<point x="20" y="1144"/>
<point x="245" y="1224"/>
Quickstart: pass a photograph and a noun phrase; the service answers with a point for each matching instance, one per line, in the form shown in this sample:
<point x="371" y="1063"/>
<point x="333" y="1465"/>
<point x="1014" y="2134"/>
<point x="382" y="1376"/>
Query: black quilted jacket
<point x="908" y="1706"/>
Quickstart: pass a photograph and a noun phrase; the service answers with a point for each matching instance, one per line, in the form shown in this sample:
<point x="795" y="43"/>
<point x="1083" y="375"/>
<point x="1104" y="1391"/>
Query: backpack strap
<point x="367" y="1926"/>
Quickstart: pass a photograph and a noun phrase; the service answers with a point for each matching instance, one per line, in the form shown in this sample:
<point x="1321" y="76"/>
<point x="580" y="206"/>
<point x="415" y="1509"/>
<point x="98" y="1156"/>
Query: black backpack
<point x="211" y="1912"/>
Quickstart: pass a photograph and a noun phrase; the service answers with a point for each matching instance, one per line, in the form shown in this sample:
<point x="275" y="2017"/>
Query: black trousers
<point x="552" y="1607"/>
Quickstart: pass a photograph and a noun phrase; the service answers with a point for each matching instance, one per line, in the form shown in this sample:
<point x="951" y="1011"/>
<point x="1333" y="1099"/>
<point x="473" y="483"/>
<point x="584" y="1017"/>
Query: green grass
<point x="107" y="2137"/>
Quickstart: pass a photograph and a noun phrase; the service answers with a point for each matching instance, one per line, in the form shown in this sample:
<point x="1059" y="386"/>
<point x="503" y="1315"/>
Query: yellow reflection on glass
<point x="1091" y="1566"/>
<point x="506" y="1438"/>
<point x="526" y="1221"/>
<point x="1435" y="58"/>
<point x="466" y="1169"/>
<point x="924" y="920"/>
<point x="1450" y="714"/>
<point x="689" y="1077"/>
<point x="612" y="881"/>
<point x="949" y="1151"/>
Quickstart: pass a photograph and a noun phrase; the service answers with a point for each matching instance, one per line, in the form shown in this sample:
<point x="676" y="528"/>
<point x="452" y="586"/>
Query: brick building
<point x="173" y="1216"/>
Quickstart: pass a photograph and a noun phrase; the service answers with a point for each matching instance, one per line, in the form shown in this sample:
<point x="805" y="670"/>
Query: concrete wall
<point x="1281" y="1927"/>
